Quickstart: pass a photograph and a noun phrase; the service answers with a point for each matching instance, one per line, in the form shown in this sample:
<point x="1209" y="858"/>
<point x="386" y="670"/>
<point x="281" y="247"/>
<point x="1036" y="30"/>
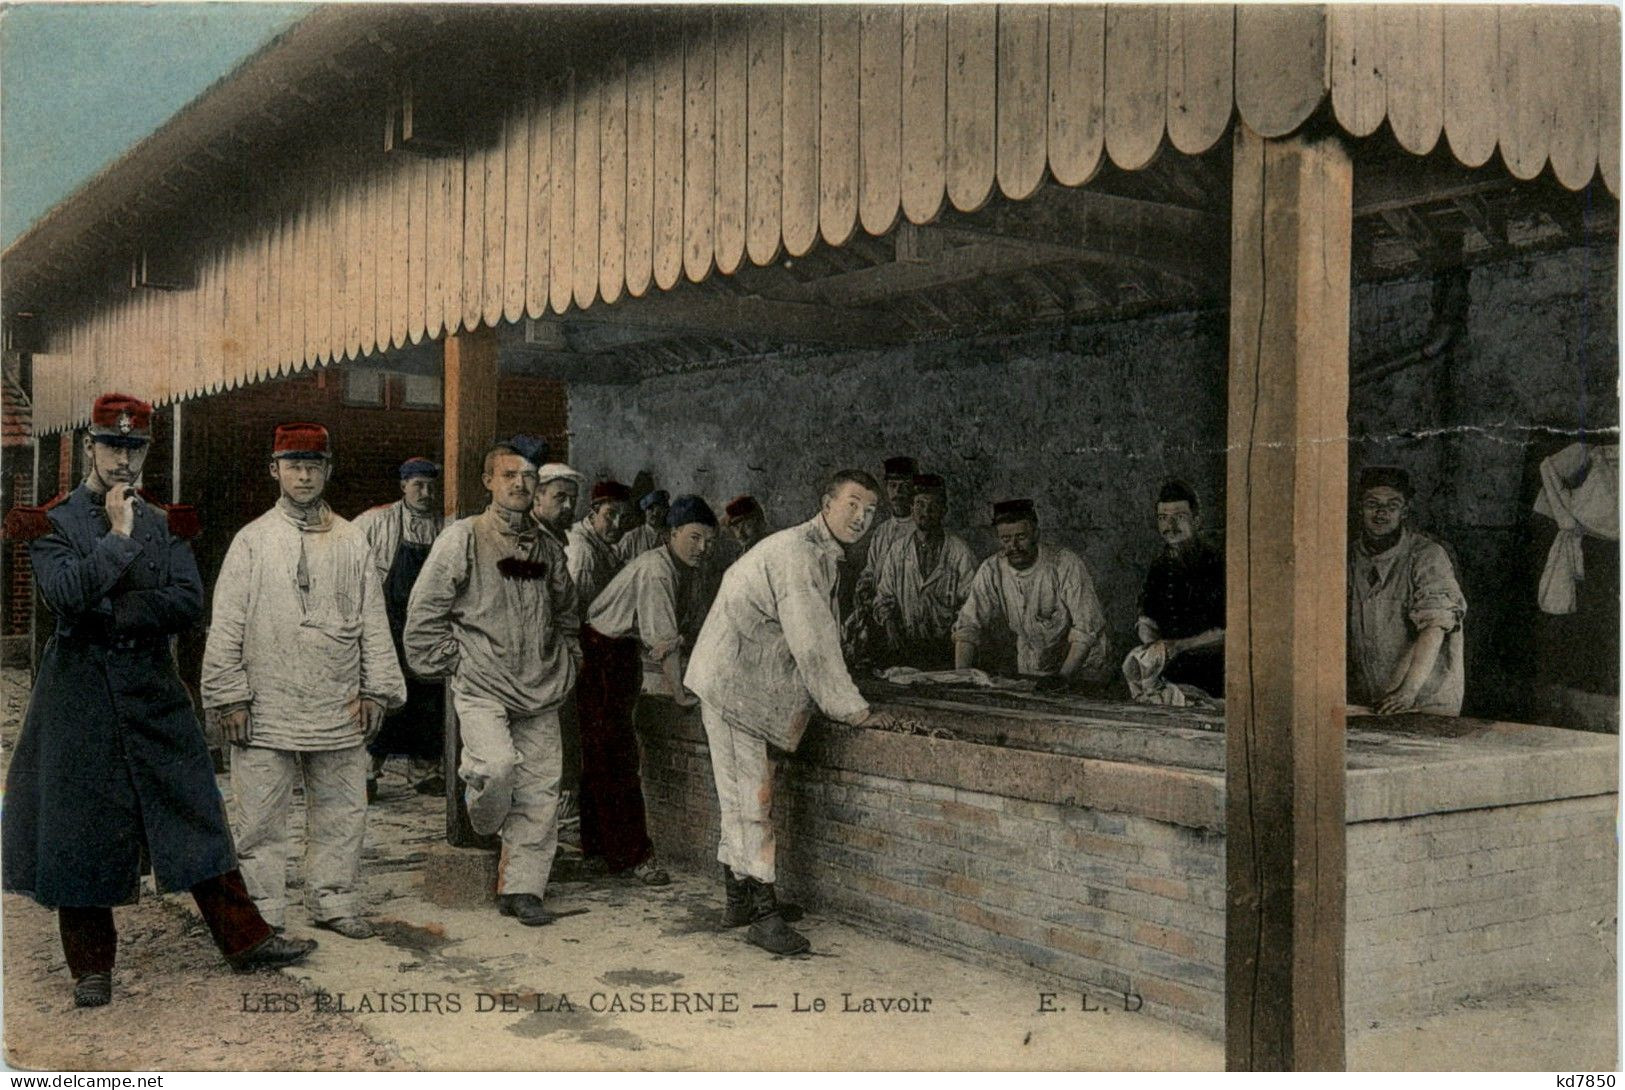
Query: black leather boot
<point x="93" y="990"/>
<point x="273" y="953"/>
<point x="741" y="911"/>
<point x="768" y="930"/>
<point x="738" y="910"/>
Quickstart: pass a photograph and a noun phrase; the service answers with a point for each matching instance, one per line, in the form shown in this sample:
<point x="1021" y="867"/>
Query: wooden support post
<point x="469" y="377"/>
<point x="1287" y="531"/>
<point x="469" y="383"/>
<point x="175" y="453"/>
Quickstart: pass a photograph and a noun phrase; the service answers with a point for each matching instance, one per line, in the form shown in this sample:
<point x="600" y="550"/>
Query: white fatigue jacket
<point x="642" y="602"/>
<point x="637" y="542"/>
<point x="495" y="610"/>
<point x="1393" y="597"/>
<point x="924" y="603"/>
<point x="388" y="524"/>
<point x="883" y="539"/>
<point x="593" y="562"/>
<point x="299" y="632"/>
<point x="1044" y="609"/>
<point x="770" y="651"/>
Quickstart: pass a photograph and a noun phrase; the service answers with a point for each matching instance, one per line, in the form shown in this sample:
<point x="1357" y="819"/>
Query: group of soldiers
<point x="334" y="644"/>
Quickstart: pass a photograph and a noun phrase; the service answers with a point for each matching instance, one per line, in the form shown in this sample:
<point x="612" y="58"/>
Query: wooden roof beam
<point x="1184" y="241"/>
<point x="691" y="313"/>
<point x="957" y="265"/>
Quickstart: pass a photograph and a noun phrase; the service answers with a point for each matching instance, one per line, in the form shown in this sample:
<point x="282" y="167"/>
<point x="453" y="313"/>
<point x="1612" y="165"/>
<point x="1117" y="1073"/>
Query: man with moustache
<point x="923" y="581"/>
<point x="301" y="668"/>
<point x="591" y="552"/>
<point x="767" y="659"/>
<point x="495" y="612"/>
<point x="1182" y="605"/>
<point x="633" y="636"/>
<point x="1405" y="607"/>
<point x="1032" y="608"/>
<point x="558" y="487"/>
<point x="400" y="535"/>
<point x="111" y="757"/>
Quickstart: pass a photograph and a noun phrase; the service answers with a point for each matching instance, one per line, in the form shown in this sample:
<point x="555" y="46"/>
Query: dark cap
<point x="613" y="491"/>
<point x="532" y="448"/>
<point x="1014" y="511"/>
<point x="1385" y="477"/>
<point x="686" y="509"/>
<point x="929" y="482"/>
<point x="741" y="507"/>
<point x="1175" y="491"/>
<point x="418" y="467"/>
<point x="658" y="498"/>
<point x="900" y="468"/>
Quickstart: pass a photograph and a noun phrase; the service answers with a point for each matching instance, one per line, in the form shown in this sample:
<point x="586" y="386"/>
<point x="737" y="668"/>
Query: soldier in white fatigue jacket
<point x="495" y="612"/>
<point x="768" y="657"/>
<point x="302" y="668"/>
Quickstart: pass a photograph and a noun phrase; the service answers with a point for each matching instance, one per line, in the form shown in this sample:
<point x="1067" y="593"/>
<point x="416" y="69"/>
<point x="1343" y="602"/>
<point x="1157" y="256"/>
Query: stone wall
<point x="1088" y="422"/>
<point x="1087" y="426"/>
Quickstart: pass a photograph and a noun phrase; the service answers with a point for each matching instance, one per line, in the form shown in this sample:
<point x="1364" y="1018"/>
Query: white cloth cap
<point x="552" y="471"/>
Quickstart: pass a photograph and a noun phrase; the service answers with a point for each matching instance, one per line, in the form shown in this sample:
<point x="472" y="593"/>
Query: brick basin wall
<point x="925" y="839"/>
<point x="1469" y="902"/>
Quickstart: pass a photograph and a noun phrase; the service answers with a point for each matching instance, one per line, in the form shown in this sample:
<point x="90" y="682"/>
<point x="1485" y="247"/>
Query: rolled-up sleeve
<point x="1083" y="607"/>
<point x="814" y="639"/>
<point x="431" y="650"/>
<point x="1436" y="600"/>
<point x="981" y="606"/>
<point x="657" y="610"/>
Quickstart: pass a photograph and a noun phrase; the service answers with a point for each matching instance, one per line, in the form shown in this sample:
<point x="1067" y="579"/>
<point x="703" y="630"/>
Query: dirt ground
<point x="466" y="989"/>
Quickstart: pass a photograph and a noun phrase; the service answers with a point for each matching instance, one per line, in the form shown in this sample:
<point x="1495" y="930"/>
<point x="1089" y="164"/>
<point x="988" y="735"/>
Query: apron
<point x="417" y="728"/>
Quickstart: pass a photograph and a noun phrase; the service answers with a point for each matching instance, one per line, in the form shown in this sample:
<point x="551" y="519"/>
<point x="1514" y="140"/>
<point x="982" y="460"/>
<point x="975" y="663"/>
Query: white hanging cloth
<point x="1580" y="492"/>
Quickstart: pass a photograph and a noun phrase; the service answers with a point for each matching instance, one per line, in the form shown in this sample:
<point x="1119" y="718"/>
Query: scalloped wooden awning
<point x="767" y="129"/>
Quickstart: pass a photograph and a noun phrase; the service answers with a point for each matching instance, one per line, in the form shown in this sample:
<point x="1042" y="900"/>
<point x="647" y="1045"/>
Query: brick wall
<point x="1441" y="906"/>
<point x="228" y="442"/>
<point x="1477" y="901"/>
<point x="1065" y="894"/>
<point x="19" y="577"/>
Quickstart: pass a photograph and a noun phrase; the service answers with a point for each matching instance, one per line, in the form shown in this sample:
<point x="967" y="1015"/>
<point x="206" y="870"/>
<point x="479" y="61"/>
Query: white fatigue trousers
<point x="511" y="765"/>
<point x="335" y="780"/>
<point x="744" y="775"/>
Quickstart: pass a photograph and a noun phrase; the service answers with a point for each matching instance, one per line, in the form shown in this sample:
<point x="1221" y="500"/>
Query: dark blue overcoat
<point x="111" y="754"/>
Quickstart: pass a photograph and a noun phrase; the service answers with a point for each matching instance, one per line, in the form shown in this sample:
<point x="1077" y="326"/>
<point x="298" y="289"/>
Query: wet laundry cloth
<point x="1579" y="492"/>
<point x="1145" y="670"/>
<point x="980" y="679"/>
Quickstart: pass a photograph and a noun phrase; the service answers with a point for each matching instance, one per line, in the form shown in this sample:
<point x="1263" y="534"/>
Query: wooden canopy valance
<point x="752" y="133"/>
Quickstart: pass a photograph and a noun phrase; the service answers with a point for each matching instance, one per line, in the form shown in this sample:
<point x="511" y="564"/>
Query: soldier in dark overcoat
<point x="111" y="758"/>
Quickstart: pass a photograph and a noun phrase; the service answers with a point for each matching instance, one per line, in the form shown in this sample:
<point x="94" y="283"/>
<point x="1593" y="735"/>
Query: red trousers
<point x="613" y="825"/>
<point x="89" y="939"/>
